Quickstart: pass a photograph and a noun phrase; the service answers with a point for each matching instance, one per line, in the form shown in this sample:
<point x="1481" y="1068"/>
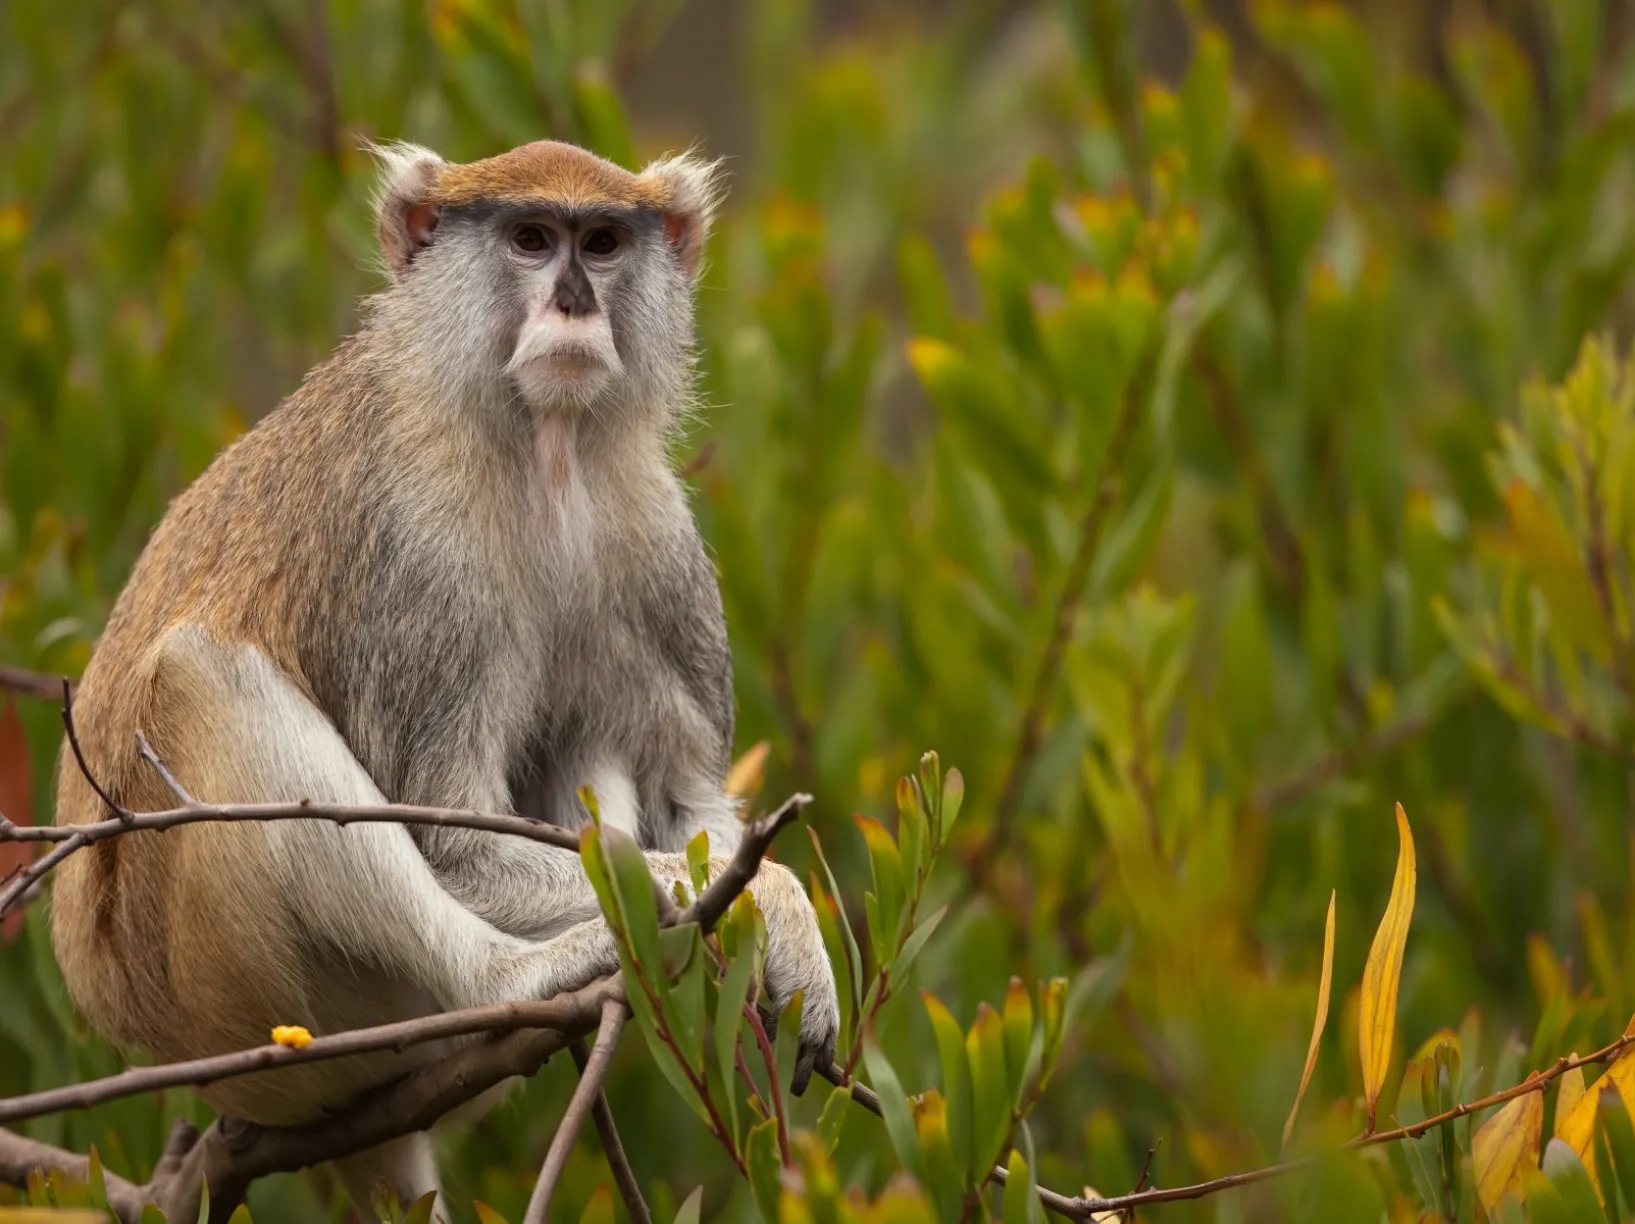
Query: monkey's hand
<point x="797" y="960"/>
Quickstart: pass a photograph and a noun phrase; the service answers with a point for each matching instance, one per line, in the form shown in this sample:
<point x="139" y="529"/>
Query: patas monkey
<point x="454" y="568"/>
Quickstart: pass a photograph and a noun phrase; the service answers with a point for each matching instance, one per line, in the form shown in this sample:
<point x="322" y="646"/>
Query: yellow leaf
<point x="293" y="1036"/>
<point x="1317" y="1024"/>
<point x="1572" y="1088"/>
<point x="1577" y="1129"/>
<point x="1382" y="975"/>
<point x="1547" y="549"/>
<point x="1504" y="1145"/>
<point x="748" y="772"/>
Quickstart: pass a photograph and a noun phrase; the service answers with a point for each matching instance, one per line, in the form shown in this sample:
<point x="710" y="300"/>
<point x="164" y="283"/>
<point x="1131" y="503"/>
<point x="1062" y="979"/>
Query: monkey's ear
<point x="404" y="210"/>
<point x="692" y="189"/>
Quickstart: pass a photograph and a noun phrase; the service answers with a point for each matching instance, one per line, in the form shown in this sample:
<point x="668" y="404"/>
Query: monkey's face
<point x="576" y="281"/>
<point x="561" y="277"/>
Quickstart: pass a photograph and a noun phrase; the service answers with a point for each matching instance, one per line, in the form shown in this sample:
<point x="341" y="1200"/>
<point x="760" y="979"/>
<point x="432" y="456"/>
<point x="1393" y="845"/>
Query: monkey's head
<point x="545" y="274"/>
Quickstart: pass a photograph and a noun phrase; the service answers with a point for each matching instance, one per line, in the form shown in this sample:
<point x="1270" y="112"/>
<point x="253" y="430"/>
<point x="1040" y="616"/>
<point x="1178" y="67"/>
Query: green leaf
<point x="1614" y="1123"/>
<point x="698" y="861"/>
<point x="912" y="834"/>
<point x="832" y="1119"/>
<point x="420" y="1210"/>
<point x="486" y="1214"/>
<point x="761" y="1156"/>
<point x="894" y="1110"/>
<point x="599" y="1207"/>
<point x="1018" y="1024"/>
<point x="241" y="1215"/>
<point x="152" y="1215"/>
<point x="854" y="957"/>
<point x="956" y="1086"/>
<point x="990" y="1095"/>
<point x="98" y="1181"/>
<point x="1567" y="1173"/>
<point x="886" y="864"/>
<point x="1021" y="1193"/>
<point x="729" y="1007"/>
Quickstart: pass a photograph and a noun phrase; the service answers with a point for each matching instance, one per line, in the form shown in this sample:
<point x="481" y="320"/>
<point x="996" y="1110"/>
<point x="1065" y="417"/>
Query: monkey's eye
<point x="531" y="238"/>
<point x="601" y="242"/>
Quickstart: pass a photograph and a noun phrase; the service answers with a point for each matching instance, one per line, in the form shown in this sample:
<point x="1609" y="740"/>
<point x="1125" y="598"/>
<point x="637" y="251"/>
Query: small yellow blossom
<point x="292" y="1035"/>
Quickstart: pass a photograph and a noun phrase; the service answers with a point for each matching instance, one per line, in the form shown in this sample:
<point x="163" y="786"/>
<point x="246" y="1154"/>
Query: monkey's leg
<point x="409" y="1164"/>
<point x="359" y="898"/>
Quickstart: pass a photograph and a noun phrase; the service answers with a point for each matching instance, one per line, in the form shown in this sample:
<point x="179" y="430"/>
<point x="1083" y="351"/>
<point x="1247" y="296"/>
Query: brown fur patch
<point x="547" y="170"/>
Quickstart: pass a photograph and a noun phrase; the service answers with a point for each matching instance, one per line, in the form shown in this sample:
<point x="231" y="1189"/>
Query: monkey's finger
<point x="811" y="1057"/>
<point x="769" y="1020"/>
<point x="803" y="1070"/>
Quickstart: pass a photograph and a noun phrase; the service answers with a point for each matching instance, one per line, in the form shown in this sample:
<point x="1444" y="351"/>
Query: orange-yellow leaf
<point x="1568" y="1095"/>
<point x="1577" y="1129"/>
<point x="1382" y="975"/>
<point x="748" y="771"/>
<point x="1504" y="1145"/>
<point x="1317" y="1024"/>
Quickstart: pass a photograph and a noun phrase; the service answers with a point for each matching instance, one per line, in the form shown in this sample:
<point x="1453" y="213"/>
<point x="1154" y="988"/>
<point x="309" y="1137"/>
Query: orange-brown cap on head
<point x="416" y="185"/>
<point x="547" y="170"/>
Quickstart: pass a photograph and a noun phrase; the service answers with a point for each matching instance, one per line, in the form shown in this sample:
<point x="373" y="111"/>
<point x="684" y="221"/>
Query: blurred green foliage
<point x="1200" y="463"/>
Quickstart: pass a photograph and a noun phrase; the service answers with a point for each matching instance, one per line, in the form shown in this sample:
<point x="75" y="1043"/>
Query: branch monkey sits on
<point x="454" y="568"/>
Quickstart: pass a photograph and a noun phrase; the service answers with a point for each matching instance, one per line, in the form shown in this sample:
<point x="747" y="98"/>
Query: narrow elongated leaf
<point x="761" y="1155"/>
<point x="990" y="1101"/>
<point x="1318" y="1022"/>
<point x="1382" y="974"/>
<point x="956" y="1084"/>
<point x="1018" y="1020"/>
<point x="1505" y="1146"/>
<point x="1572" y="1179"/>
<point x="748" y="772"/>
<point x="1577" y="1129"/>
<point x="487" y="1215"/>
<point x="894" y="1110"/>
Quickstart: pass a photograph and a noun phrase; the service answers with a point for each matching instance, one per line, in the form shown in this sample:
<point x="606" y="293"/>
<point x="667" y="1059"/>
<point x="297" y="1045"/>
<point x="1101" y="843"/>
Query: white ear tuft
<point x="404" y="211"/>
<point x="693" y="189"/>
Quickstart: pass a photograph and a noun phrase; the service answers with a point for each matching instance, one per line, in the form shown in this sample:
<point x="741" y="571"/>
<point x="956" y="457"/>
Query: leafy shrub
<point x="1257" y="457"/>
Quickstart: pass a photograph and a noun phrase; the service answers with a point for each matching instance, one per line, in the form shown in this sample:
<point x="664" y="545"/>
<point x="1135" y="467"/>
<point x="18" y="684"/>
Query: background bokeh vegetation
<point x="1148" y="407"/>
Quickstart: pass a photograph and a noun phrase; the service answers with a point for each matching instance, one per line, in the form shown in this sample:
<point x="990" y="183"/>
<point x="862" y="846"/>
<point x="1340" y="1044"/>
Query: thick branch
<point x="558" y="1013"/>
<point x="585" y="1097"/>
<point x="229" y="1156"/>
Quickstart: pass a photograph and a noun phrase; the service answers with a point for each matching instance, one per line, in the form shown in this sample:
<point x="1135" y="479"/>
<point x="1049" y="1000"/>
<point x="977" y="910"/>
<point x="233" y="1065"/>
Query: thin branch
<point x="494" y="1017"/>
<point x="1342" y="761"/>
<point x="73" y="742"/>
<point x="76" y="837"/>
<point x="18" y="886"/>
<point x="585" y="1096"/>
<point x="1085" y="1208"/>
<point x="163" y="770"/>
<point x="31" y="683"/>
<point x="741" y="868"/>
<point x="613" y="1147"/>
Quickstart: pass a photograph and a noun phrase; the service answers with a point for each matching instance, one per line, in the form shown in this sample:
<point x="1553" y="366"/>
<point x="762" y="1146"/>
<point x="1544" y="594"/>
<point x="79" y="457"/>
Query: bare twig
<point x="741" y="868"/>
<point x="585" y="1096"/>
<point x="765" y="1045"/>
<point x="163" y="770"/>
<point x="76" y="837"/>
<point x="613" y="1147"/>
<point x="1338" y="763"/>
<point x="31" y="683"/>
<point x="19" y="885"/>
<point x="73" y="742"/>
